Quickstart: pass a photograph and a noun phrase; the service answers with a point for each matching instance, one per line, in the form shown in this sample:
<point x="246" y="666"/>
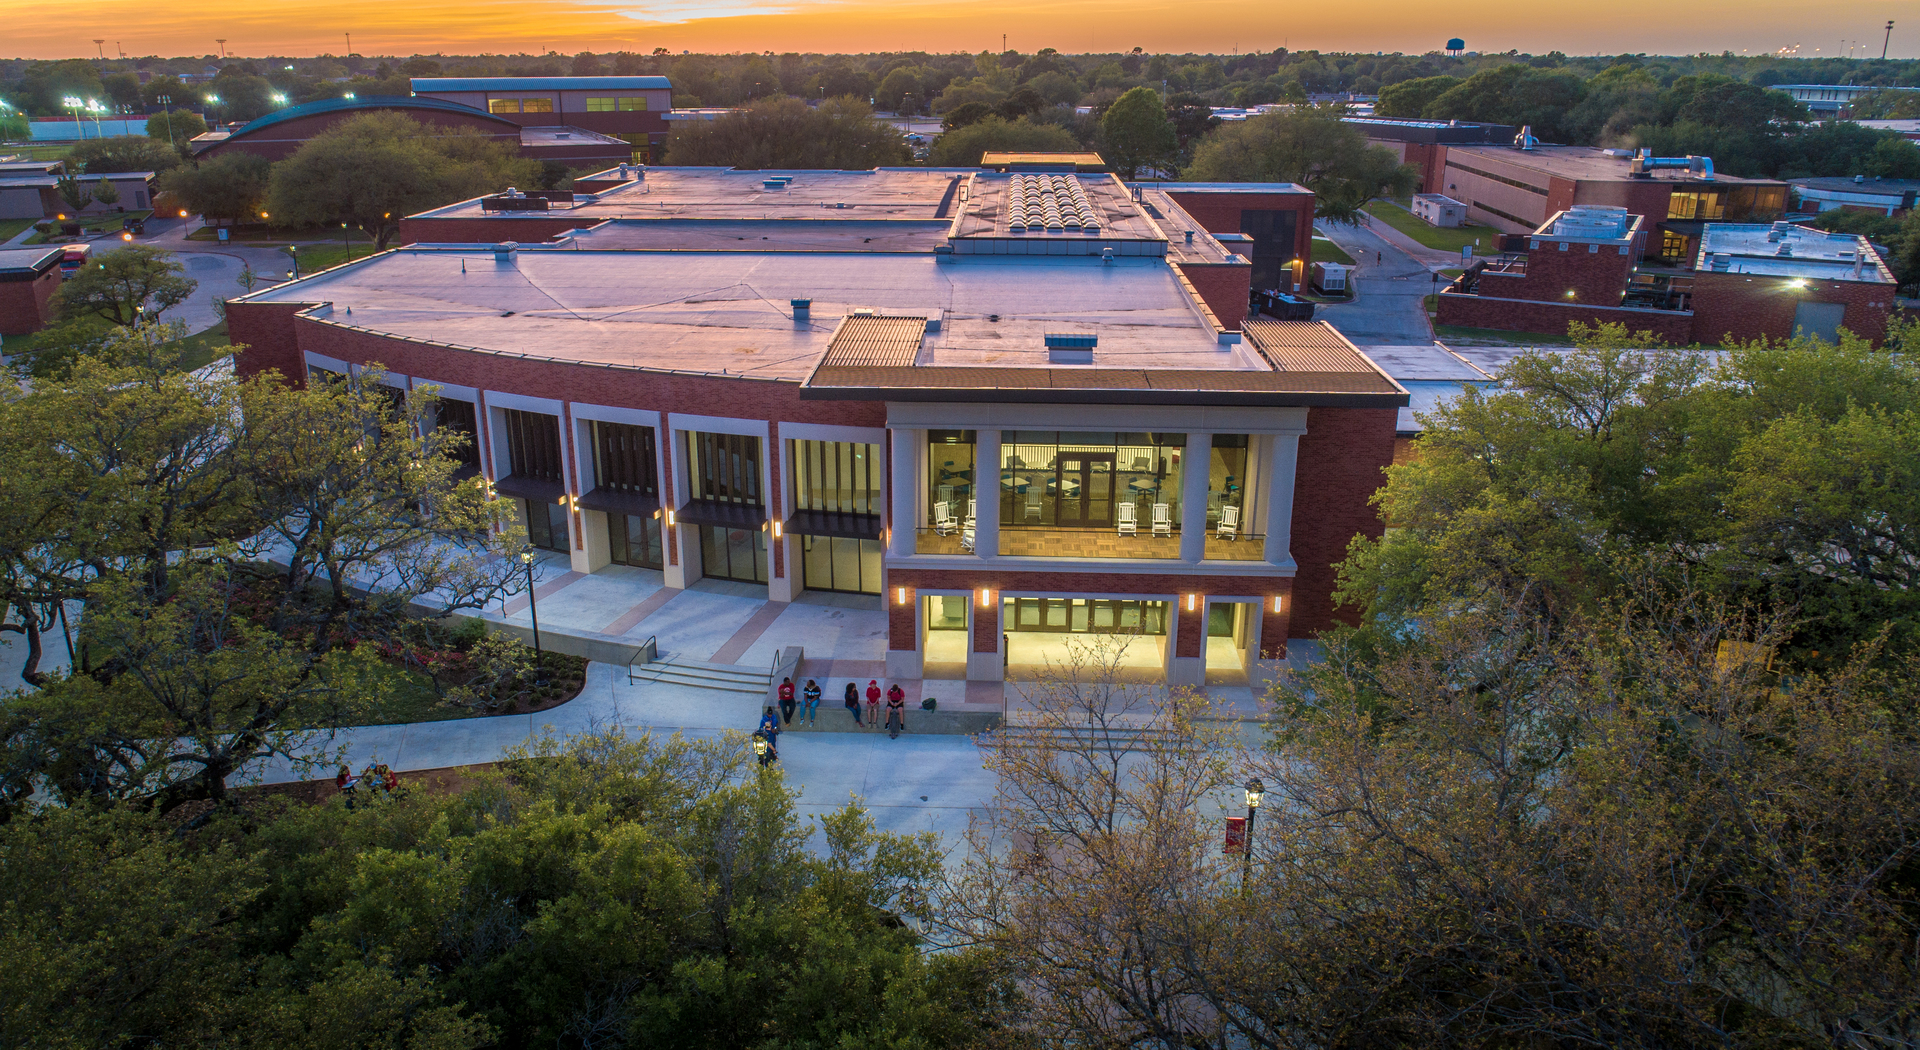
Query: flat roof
<point x="541" y="84"/>
<point x="1014" y="206"/>
<point x="756" y="235"/>
<point x="1815" y="254"/>
<point x="561" y="135"/>
<point x="714" y="312"/>
<point x="1843" y="184"/>
<point x="730" y="193"/>
<point x="36" y="259"/>
<point x="1088" y="161"/>
<point x="1591" y="163"/>
<point x="1228" y="187"/>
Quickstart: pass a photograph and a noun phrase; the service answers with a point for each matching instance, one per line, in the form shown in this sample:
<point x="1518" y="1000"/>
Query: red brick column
<point x="774" y="511"/>
<point x="1273" y="625"/>
<point x="1190" y="632"/>
<point x="986" y="623"/>
<point x="902" y="625"/>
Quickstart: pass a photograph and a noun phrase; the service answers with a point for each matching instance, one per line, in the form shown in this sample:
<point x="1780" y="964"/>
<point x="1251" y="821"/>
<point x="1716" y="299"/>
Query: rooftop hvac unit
<point x="1070" y="348"/>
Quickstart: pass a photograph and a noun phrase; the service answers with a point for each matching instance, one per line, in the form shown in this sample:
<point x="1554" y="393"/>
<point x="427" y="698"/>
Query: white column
<point x="595" y="550"/>
<point x="986" y="488"/>
<point x="1193" y="497"/>
<point x="904" y="490"/>
<point x="686" y="539"/>
<point x="1280" y="478"/>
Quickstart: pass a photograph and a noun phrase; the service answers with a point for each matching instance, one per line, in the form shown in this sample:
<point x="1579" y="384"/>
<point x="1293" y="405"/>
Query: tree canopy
<point x="230" y="188"/>
<point x="1312" y="147"/>
<point x="1135" y="133"/>
<point x="124" y="153"/>
<point x="787" y="133"/>
<point x="373" y="169"/>
<point x="963" y="146"/>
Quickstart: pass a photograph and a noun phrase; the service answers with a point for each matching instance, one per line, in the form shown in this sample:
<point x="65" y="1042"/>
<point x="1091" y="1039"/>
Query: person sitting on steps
<point x="786" y="700"/>
<point x="810" y="701"/>
<point x="853" y="702"/>
<point x="896" y="711"/>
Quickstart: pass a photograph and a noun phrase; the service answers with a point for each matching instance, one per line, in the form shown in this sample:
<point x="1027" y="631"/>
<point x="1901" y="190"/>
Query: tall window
<point x="503" y="105"/>
<point x="533" y="446"/>
<point x="623" y="458"/>
<point x="835" y="476"/>
<point x="1227" y="479"/>
<point x="536" y="105"/>
<point x="725" y="467"/>
<point x="733" y="554"/>
<point x="615" y="105"/>
<point x="458" y="417"/>
<point x="1069" y="479"/>
<point x="634" y="539"/>
<point x="838" y="563"/>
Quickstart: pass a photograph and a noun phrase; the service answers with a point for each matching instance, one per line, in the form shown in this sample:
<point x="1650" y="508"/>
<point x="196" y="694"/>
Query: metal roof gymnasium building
<point x="1010" y="407"/>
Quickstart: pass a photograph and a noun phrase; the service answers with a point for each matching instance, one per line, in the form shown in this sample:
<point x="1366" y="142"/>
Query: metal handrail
<point x="652" y="644"/>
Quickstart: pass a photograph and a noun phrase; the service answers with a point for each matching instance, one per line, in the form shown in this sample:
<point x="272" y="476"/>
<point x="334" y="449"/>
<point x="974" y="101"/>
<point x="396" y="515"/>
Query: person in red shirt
<point x="896" y="711"/>
<point x="873" y="702"/>
<point x="786" y="700"/>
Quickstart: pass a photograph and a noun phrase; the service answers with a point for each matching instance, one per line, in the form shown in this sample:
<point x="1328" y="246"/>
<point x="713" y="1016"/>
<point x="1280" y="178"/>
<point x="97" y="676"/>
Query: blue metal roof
<point x="335" y="105"/>
<point x="542" y="84"/>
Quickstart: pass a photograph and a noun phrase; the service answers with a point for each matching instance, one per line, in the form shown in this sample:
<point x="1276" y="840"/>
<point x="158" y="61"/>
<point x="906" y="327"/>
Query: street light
<point x="74" y="104"/>
<point x="533" y="609"/>
<point x="1255" y="789"/>
<point x="166" y="101"/>
<point x="344" y="243"/>
<point x="294" y="250"/>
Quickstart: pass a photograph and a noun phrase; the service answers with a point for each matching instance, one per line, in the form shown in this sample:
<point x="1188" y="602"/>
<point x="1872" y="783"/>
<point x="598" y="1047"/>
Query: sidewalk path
<point x="1389" y="306"/>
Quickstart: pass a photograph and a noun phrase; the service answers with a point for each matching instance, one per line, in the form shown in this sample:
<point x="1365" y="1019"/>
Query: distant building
<point x="1889" y="197"/>
<point x="1908" y="129"/>
<point x="1747" y="281"/>
<point x="1417" y="142"/>
<point x="1831" y="100"/>
<point x="28" y="277"/>
<point x="1515" y="190"/>
<point x="279" y="134"/>
<point x="631" y="109"/>
<point x="31" y="190"/>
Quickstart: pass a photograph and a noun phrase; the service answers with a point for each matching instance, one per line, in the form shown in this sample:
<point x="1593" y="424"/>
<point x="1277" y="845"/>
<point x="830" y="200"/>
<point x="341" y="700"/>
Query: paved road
<point x="1389" y="302"/>
<point x="215" y="266"/>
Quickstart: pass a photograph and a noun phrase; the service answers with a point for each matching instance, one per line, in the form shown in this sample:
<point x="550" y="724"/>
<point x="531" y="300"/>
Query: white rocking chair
<point x="1128" y="525"/>
<point x="943" y="522"/>
<point x="1162" y="520"/>
<point x="1229" y="527"/>
<point x="966" y="536"/>
<point x="1033" y="504"/>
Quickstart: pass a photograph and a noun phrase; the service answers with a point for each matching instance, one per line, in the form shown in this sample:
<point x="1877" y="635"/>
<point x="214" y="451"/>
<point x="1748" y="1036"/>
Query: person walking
<point x="769" y="725"/>
<point x="810" y="700"/>
<point x="873" y="702"/>
<point x="786" y="700"/>
<point x="853" y="702"/>
<point x="896" y="711"/>
<point x="1378" y="258"/>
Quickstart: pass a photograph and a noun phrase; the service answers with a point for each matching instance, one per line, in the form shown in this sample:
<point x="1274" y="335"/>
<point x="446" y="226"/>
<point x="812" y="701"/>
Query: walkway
<point x="1389" y="305"/>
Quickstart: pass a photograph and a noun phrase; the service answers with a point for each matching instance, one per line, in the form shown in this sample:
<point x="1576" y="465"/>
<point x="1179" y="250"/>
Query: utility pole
<point x="1884" y="41"/>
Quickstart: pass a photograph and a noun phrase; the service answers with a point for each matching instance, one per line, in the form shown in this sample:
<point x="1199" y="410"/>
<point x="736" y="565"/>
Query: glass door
<point x="1084" y="489"/>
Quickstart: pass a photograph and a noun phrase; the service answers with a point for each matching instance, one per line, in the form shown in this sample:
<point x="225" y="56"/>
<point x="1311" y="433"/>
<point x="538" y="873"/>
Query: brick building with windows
<point x="1009" y="408"/>
<point x="631" y="109"/>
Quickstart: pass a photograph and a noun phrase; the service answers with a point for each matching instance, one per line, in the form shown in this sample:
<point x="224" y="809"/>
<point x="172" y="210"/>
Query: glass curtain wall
<point x="459" y="417"/>
<point x="837" y="477"/>
<point x="949" y="472"/>
<point x="733" y="554"/>
<point x="1227" y="480"/>
<point x="1079" y="479"/>
<point x="725" y="468"/>
<point x="533" y="451"/>
<point x="1085" y="616"/>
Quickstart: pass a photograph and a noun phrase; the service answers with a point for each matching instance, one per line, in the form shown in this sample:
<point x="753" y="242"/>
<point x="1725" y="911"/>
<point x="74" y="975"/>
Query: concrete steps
<point x="699" y="674"/>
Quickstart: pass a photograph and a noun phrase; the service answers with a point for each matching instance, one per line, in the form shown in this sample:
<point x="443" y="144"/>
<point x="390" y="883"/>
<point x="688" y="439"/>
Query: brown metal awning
<point x="833" y="523"/>
<point x="539" y="490"/>
<point x="725" y="515"/>
<point x="620" y="501"/>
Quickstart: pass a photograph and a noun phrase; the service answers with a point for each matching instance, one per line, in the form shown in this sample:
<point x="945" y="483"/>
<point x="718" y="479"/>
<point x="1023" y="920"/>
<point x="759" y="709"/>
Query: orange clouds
<point x="66" y="28"/>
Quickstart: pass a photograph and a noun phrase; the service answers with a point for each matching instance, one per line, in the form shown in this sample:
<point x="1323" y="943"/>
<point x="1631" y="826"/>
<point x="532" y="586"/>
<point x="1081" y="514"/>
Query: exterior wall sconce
<point x="669" y="519"/>
<point x="1276" y="603"/>
<point x="900" y="596"/>
<point x="986" y="597"/>
<point x="776" y="530"/>
<point x="1193" y="602"/>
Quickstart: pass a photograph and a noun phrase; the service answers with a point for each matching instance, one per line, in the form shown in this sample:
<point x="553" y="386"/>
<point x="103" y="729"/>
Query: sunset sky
<point x="67" y="28"/>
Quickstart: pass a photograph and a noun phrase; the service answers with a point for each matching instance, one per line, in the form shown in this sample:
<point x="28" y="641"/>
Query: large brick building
<point x="28" y="278"/>
<point x="631" y="109"/>
<point x="1012" y="408"/>
<point x="279" y="134"/>
<point x="1749" y="280"/>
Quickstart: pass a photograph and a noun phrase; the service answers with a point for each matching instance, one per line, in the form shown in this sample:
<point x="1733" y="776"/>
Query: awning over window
<point x="726" y="515"/>
<point x="539" y="490"/>
<point x="620" y="501"/>
<point x="833" y="523"/>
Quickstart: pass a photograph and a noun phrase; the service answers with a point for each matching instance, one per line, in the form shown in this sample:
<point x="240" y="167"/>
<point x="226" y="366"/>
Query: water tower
<point x="1456" y="45"/>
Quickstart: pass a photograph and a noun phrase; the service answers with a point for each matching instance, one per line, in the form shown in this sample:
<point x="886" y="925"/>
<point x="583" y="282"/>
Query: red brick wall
<point x="1224" y="288"/>
<point x="1220" y="212"/>
<point x="1190" y="631"/>
<point x="1520" y="315"/>
<point x="267" y="331"/>
<point x="1598" y="278"/>
<point x="280" y="141"/>
<point x="902" y="628"/>
<point x="986" y="624"/>
<point x="530" y="230"/>
<point x="23" y="304"/>
<point x="1340" y="463"/>
<point x="1274" y="627"/>
<point x="1747" y="306"/>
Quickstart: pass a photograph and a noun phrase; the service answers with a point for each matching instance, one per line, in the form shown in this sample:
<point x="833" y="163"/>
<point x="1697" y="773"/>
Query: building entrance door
<point x="1084" y="496"/>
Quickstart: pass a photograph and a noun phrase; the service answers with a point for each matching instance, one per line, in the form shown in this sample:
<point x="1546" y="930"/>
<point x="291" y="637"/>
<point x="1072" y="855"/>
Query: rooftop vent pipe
<point x="503" y="252"/>
<point x="1525" y="139"/>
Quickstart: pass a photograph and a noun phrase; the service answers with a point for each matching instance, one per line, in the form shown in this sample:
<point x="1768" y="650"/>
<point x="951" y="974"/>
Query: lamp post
<point x="344" y="243"/>
<point x="1255" y="789"/>
<point x="166" y="101"/>
<point x="74" y="104"/>
<point x="533" y="609"/>
<point x="294" y="250"/>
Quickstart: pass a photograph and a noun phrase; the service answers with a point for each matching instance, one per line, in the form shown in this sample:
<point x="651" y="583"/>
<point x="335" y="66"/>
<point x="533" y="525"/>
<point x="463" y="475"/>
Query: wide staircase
<point x="698" y="674"/>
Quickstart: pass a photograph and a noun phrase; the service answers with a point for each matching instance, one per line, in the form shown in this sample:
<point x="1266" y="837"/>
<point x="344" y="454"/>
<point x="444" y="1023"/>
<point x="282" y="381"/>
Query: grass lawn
<point x="1326" y="251"/>
<point x="198" y="348"/>
<point x="1484" y="238"/>
<point x="58" y="152"/>
<point x="10" y="228"/>
<point x="1497" y="337"/>
<point x="97" y="223"/>
<point x="321" y="256"/>
<point x="412" y="698"/>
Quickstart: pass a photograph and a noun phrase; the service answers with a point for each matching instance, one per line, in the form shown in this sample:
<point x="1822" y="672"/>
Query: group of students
<point x="377" y="778"/>
<point x="807" y="706"/>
